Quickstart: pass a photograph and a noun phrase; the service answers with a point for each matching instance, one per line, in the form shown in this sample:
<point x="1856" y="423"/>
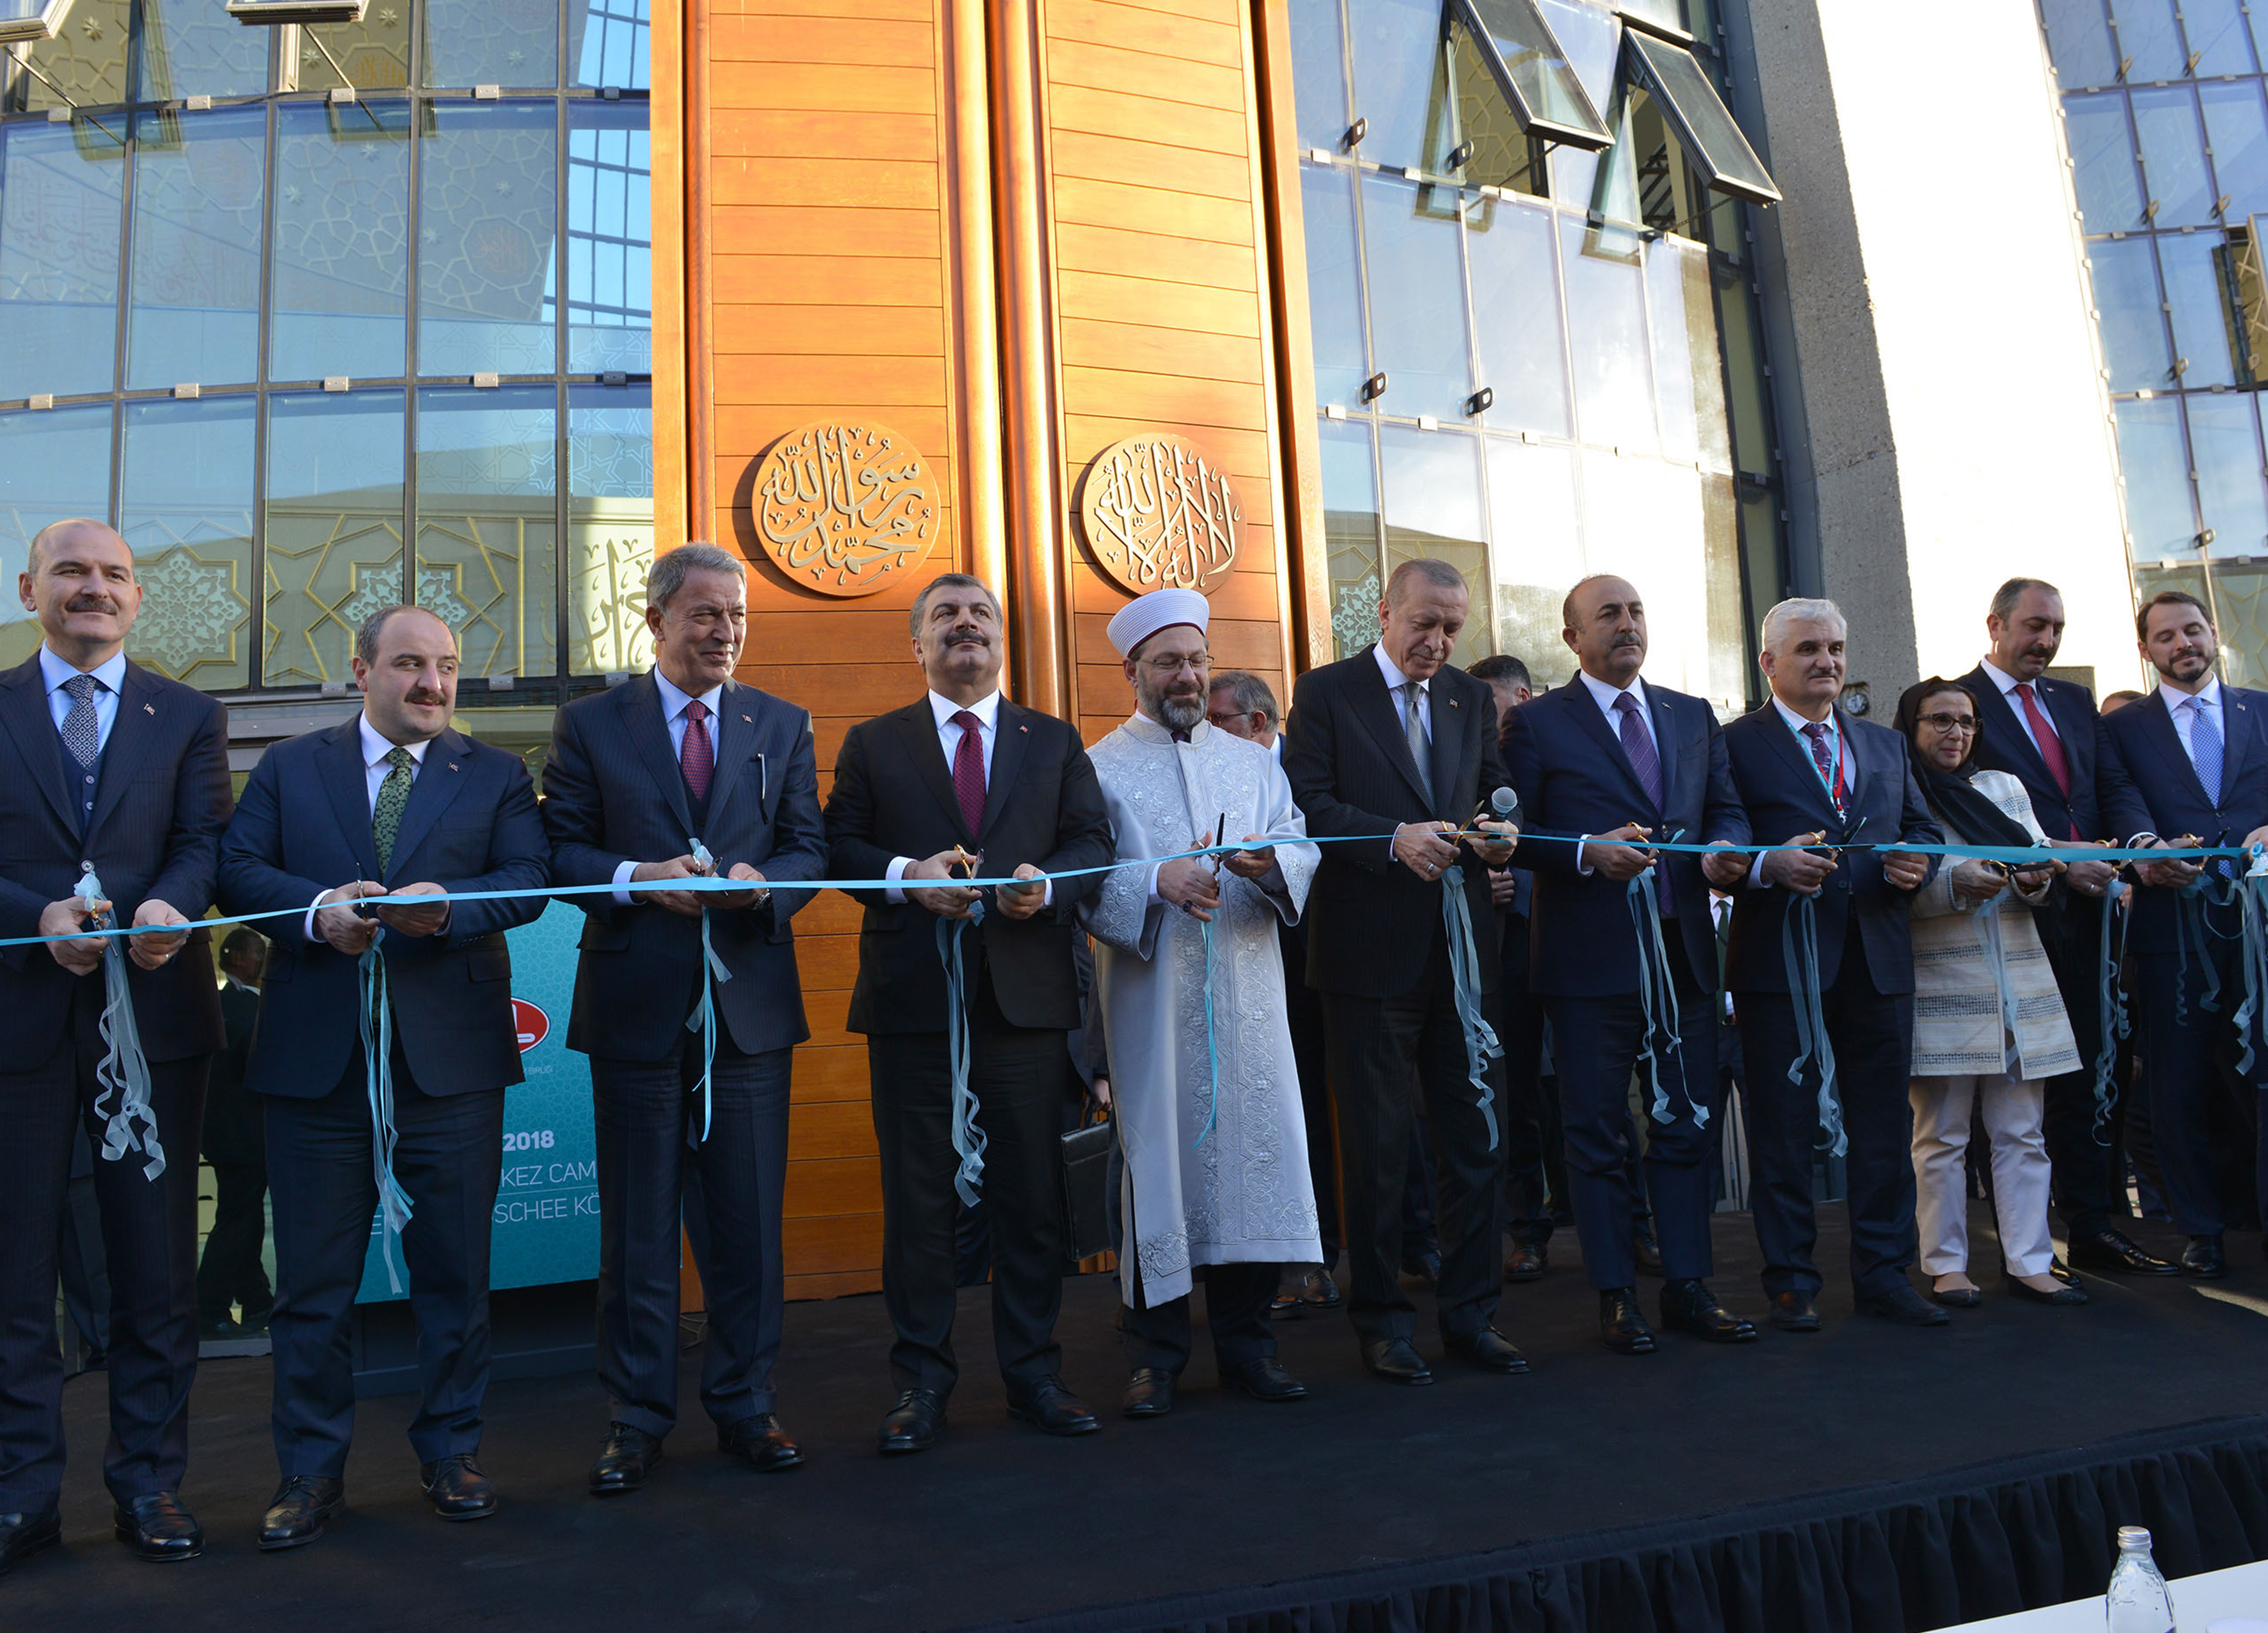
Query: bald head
<point x="1606" y="629"/>
<point x="78" y="581"/>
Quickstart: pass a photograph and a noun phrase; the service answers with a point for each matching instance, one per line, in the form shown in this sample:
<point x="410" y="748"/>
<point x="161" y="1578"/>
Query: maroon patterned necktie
<point x="969" y="772"/>
<point x="698" y="756"/>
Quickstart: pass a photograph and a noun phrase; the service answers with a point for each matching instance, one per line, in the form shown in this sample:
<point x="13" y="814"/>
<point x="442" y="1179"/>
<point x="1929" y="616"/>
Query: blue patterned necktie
<point x="82" y="732"/>
<point x="2205" y="747"/>
<point x="1638" y="743"/>
<point x="392" y="799"/>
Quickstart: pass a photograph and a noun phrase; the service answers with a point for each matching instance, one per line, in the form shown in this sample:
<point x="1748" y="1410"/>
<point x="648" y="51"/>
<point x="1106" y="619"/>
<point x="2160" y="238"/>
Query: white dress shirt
<point x="2208" y="697"/>
<point x="1604" y="696"/>
<point x="673" y="699"/>
<point x="374" y="769"/>
<point x="1396" y="680"/>
<point x="1796" y="723"/>
<point x="987" y="710"/>
<point x="2007" y="684"/>
<point x="110" y="675"/>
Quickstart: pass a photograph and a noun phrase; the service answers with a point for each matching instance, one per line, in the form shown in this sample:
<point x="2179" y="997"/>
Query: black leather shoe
<point x="1323" y="1293"/>
<point x="1287" y="1306"/>
<point x="2105" y="1249"/>
<point x="1422" y="1268"/>
<point x="626" y="1457"/>
<point x="156" y="1527"/>
<point x="911" y="1425"/>
<point x="1149" y="1393"/>
<point x="2062" y="1295"/>
<point x="2203" y="1258"/>
<point x="297" y="1515"/>
<point x="1488" y="1349"/>
<point x="1903" y="1307"/>
<point x="1794" y="1313"/>
<point x="1264" y="1380"/>
<point x="1524" y="1263"/>
<point x="1053" y="1411"/>
<point x="761" y="1442"/>
<point x="457" y="1488"/>
<point x="23" y="1535"/>
<point x="1622" y="1325"/>
<point x="1646" y="1250"/>
<point x="1689" y="1307"/>
<point x="1396" y="1359"/>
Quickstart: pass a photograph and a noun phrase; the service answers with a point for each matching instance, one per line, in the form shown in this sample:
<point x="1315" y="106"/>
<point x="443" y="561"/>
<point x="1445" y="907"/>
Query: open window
<point x="1698" y="116"/>
<point x="1525" y="60"/>
<point x="31" y="19"/>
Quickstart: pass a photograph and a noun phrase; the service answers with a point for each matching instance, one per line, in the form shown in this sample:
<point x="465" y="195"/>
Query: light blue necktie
<point x="2205" y="747"/>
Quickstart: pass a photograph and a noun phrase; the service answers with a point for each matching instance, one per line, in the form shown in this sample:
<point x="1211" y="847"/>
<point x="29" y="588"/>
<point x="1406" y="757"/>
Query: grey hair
<point x="40" y="539"/>
<point x="1439" y="574"/>
<point x="1502" y="667"/>
<point x="366" y="637"/>
<point x="1248" y="693"/>
<point x="950" y="580"/>
<point x="666" y="576"/>
<point x="2005" y="598"/>
<point x="1799" y="609"/>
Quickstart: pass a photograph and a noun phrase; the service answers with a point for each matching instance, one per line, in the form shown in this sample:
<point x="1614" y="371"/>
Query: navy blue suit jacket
<point x="303" y="828"/>
<point x="160" y="801"/>
<point x="1574" y="778"/>
<point x="2003" y="745"/>
<point x="1773" y="773"/>
<point x="2157" y="790"/>
<point x="613" y="792"/>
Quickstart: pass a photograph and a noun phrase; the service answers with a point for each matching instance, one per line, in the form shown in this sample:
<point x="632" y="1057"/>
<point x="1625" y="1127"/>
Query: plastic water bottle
<point x="2140" y="1602"/>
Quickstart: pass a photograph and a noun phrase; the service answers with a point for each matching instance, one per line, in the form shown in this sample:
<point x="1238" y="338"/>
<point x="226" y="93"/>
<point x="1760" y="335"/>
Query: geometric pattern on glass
<point x="486" y="188"/>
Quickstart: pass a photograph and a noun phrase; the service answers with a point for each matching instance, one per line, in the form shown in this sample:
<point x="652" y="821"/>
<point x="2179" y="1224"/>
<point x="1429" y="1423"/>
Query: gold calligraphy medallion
<point x="843" y="509"/>
<point x="1158" y="514"/>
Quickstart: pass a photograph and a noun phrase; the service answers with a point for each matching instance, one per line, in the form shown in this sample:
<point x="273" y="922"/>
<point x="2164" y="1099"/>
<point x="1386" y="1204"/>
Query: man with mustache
<point x="1209" y="1116"/>
<point x="394" y="803"/>
<point x="962" y="780"/>
<point x="102" y="761"/>
<point x="1393" y="750"/>
<point x="2043" y="732"/>
<point x="1585" y="758"/>
<point x="2191" y="765"/>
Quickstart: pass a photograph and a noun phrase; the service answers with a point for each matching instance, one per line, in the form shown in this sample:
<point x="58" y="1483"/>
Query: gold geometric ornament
<point x="1157" y="514"/>
<point x="843" y="509"/>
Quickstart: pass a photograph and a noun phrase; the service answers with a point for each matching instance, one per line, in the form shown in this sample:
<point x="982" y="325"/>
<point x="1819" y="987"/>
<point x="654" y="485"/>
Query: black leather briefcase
<point x="1087" y="1201"/>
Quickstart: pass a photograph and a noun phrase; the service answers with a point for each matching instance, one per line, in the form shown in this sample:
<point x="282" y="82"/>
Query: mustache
<point x="91" y="603"/>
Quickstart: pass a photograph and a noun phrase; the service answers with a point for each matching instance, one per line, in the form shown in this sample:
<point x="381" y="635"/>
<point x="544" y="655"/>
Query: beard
<point x="1175" y="714"/>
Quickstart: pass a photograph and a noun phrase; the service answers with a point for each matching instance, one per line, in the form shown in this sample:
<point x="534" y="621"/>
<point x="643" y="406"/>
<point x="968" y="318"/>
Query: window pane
<point x="2241" y="611"/>
<point x="1606" y="319"/>
<point x="86" y="61"/>
<point x="487" y="178"/>
<point x="1503" y="155"/>
<point x="1432" y="481"/>
<point x="186" y="510"/>
<point x="2148" y="33"/>
<point x="60" y="188"/>
<point x="1399" y="78"/>
<point x="1523" y="354"/>
<point x="1535" y="552"/>
<point x="1712" y="138"/>
<point x="1334" y="294"/>
<point x="609" y="526"/>
<point x="607" y="42"/>
<point x="1747" y="402"/>
<point x="1319" y="89"/>
<point x="1520" y="49"/>
<point x="2173" y="156"/>
<point x="2237" y="132"/>
<point x="2194" y="288"/>
<point x="2132" y="326"/>
<point x="488" y="529"/>
<point x="375" y="51"/>
<point x="192" y="47"/>
<point x="340" y="294"/>
<point x="2103" y="152"/>
<point x="1688" y="377"/>
<point x="334" y="543"/>
<point x="491" y="42"/>
<point x="609" y="238"/>
<point x="1727" y="619"/>
<point x="1416" y="301"/>
<point x="53" y="465"/>
<point x="1351" y="533"/>
<point x="2218" y="35"/>
<point x="1642" y="520"/>
<point x="2160" y="521"/>
<point x="2226" y="446"/>
<point x="2079" y="40"/>
<point x="1592" y="39"/>
<point x="197" y="204"/>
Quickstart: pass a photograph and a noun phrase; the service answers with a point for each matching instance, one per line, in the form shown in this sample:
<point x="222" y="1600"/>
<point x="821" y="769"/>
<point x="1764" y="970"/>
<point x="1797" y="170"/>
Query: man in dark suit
<point x="2042" y="732"/>
<point x="1583" y="759"/>
<point x="101" y="761"/>
<point x="1396" y="747"/>
<point x="685" y="772"/>
<point x="394" y="803"/>
<point x="1806" y="769"/>
<point x="230" y="1273"/>
<point x="2193" y="759"/>
<point x="963" y="775"/>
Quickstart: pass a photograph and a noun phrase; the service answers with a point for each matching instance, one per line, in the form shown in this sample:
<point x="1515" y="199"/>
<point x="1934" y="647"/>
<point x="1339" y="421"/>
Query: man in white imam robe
<point x="1219" y="1181"/>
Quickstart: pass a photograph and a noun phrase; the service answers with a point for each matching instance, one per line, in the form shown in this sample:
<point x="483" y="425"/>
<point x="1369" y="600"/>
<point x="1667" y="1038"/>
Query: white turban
<point x="1144" y="615"/>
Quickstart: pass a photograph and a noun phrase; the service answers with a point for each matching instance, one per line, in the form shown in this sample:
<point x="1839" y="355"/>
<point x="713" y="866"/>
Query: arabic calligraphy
<point x="1158" y="514"/>
<point x="842" y="508"/>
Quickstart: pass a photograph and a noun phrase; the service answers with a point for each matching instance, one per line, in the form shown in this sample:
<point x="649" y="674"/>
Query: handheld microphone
<point x="1503" y="805"/>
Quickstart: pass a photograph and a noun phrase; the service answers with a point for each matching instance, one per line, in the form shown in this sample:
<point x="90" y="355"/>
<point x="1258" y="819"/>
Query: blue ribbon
<point x="1656" y="999"/>
<point x="1799" y="945"/>
<point x="968" y="1134"/>
<point x="378" y="1080"/>
<point x="2111" y="1005"/>
<point x="703" y="1018"/>
<point x="1212" y="1055"/>
<point x="123" y="1069"/>
<point x="1481" y="1044"/>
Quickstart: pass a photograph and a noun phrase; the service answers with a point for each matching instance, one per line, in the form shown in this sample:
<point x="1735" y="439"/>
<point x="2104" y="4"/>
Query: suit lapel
<point x="2003" y="724"/>
<point x="2238" y="749"/>
<point x="1448" y="742"/>
<point x="1786" y="744"/>
<point x="1011" y="735"/>
<point x="24" y="709"/>
<point x="2158" y="727"/>
<point x="1375" y="707"/>
<point x="1848" y="741"/>
<point x="736" y="741"/>
<point x="916" y="729"/>
<point x="641" y="711"/>
<point x="440" y="775"/>
<point x="345" y="780"/>
<point x="1592" y="720"/>
<point x="1664" y="746"/>
<point x="133" y="732"/>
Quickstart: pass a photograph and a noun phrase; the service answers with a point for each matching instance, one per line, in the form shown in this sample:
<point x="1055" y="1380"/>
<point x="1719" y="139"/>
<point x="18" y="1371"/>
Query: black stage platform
<point x="1863" y="1477"/>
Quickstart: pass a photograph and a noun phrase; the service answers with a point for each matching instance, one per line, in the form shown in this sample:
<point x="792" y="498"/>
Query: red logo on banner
<point x="530" y="1022"/>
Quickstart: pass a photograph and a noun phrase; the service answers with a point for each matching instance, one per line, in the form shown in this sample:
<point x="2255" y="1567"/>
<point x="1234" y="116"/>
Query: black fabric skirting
<point x="1986" y="1541"/>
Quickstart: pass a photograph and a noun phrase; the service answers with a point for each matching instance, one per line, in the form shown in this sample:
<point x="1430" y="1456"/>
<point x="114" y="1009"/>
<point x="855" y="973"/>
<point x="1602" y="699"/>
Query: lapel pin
<point x="452" y="765"/>
<point x="746" y="720"/>
<point x="152" y="708"/>
<point x="1024" y="728"/>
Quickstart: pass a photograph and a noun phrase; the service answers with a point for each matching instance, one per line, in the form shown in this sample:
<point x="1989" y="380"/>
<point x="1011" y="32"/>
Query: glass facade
<point x="2166" y="115"/>
<point x="1536" y="362"/>
<point x="314" y="354"/>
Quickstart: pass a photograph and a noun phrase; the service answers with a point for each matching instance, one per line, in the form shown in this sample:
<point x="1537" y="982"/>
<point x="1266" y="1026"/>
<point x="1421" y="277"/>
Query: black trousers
<point x="1236" y="1310"/>
<point x="1303" y="1010"/>
<point x="231" y="1272"/>
<point x="1022" y="1076"/>
<point x="1872" y="1033"/>
<point x="649" y="1173"/>
<point x="149" y="1241"/>
<point x="448" y="1157"/>
<point x="2086" y="1169"/>
<point x="2189" y="1056"/>
<point x="1597" y="1042"/>
<point x="1375" y="1044"/>
<point x="1535" y="1168"/>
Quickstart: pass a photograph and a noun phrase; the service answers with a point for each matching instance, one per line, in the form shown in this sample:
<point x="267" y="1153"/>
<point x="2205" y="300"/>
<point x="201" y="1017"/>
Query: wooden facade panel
<point x="1243" y="455"/>
<point x="1160" y="397"/>
<point x="1149" y="164"/>
<point x="878" y="383"/>
<point x="828" y="230"/>
<point x="859" y="631"/>
<point x="827" y="962"/>
<point x="1211" y="10"/>
<point x="798" y="133"/>
<point x="861" y="40"/>
<point x="1239" y="595"/>
<point x="1145" y="349"/>
<point x="827" y="281"/>
<point x="862" y="88"/>
<point x="1236" y="644"/>
<point x="1171" y="262"/>
<point x="834" y="1242"/>
<point x="1183" y="38"/>
<point x="834" y="1185"/>
<point x="1143" y="73"/>
<point x="1144" y="118"/>
<point x="859" y="689"/>
<point x="1152" y="210"/>
<point x="831" y="1129"/>
<point x="879" y="183"/>
<point x="756" y="427"/>
<point x="883" y="331"/>
<point x="1118" y="299"/>
<point x="816" y="1287"/>
<point x="895" y="11"/>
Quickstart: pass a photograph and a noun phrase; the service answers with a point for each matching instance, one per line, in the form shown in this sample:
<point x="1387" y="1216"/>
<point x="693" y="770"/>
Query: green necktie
<point x="392" y="799"/>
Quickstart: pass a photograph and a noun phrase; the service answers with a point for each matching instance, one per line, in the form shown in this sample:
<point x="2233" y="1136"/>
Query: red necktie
<point x="2051" y="746"/>
<point x="698" y="756"/>
<point x="969" y="772"/>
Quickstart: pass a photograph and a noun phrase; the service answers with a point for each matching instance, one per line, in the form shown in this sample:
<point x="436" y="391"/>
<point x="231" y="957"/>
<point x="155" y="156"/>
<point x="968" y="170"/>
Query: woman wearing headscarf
<point x="1989" y="1024"/>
